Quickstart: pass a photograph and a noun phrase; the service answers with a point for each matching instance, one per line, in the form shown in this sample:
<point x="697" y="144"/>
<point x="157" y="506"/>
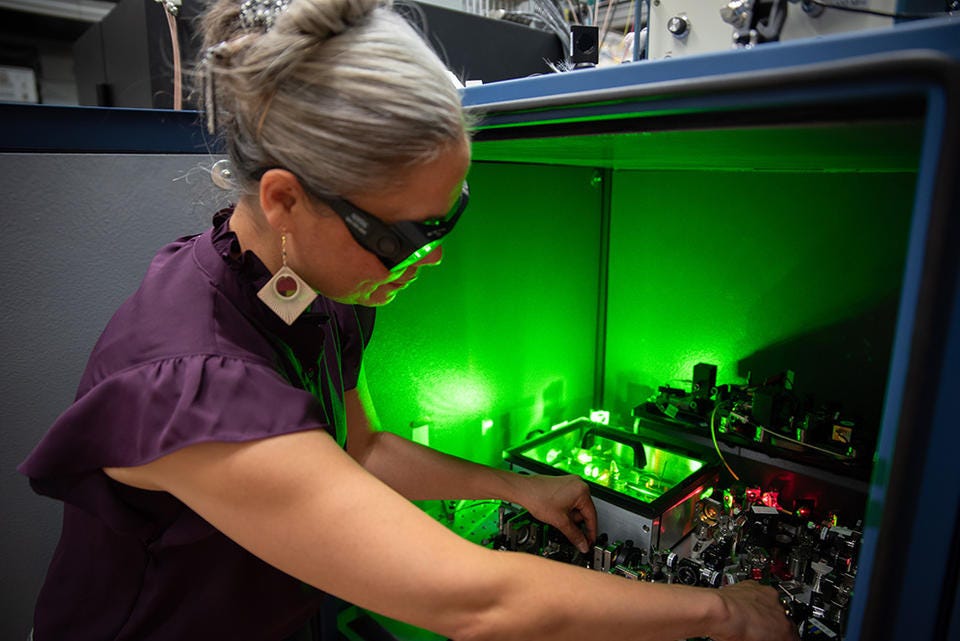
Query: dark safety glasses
<point x="397" y="245"/>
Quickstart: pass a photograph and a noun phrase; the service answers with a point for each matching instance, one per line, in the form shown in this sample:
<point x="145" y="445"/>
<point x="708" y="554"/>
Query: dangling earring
<point x="286" y="293"/>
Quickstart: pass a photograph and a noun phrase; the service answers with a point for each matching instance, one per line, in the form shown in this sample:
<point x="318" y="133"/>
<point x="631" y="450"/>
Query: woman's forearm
<point x="422" y="473"/>
<point x="300" y="504"/>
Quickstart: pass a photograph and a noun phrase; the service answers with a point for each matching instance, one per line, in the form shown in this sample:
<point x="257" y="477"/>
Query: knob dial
<point x="679" y="26"/>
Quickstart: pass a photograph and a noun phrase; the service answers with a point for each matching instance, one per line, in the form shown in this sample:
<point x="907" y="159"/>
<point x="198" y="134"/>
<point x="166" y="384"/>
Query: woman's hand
<point x="755" y="614"/>
<point x="563" y="502"/>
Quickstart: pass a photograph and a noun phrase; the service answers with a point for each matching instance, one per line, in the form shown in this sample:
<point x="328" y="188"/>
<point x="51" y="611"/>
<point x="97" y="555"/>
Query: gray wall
<point x="79" y="232"/>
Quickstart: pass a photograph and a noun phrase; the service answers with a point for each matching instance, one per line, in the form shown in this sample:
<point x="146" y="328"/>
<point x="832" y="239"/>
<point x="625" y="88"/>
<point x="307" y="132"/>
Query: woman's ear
<point x="280" y="195"/>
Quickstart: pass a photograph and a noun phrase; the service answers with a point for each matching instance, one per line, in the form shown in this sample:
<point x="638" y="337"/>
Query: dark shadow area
<point x="844" y="364"/>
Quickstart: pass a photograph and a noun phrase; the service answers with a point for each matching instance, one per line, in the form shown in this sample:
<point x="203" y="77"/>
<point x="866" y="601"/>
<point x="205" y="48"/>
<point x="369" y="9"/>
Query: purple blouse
<point x="193" y="356"/>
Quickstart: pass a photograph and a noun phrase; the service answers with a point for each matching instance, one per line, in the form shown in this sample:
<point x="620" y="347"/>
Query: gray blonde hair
<point x="343" y="93"/>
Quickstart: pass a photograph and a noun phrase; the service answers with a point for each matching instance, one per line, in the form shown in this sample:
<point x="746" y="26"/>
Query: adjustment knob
<point x="736" y="13"/>
<point x="679" y="26"/>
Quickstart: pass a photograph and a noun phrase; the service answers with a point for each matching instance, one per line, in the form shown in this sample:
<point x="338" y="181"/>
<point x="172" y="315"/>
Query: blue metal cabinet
<point x="909" y="562"/>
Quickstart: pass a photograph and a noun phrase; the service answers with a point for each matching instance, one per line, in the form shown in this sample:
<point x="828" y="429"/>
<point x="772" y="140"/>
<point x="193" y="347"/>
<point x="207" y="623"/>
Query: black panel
<point x="49" y="128"/>
<point x="125" y="54"/>
<point x="126" y="60"/>
<point x="136" y="65"/>
<point x="478" y="48"/>
<point x="91" y="77"/>
<point x="21" y="25"/>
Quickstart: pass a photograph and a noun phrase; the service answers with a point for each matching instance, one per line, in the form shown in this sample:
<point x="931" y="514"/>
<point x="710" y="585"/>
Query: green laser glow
<point x="611" y="465"/>
<point x="415" y="256"/>
<point x="455" y="394"/>
<point x="485" y="426"/>
<point x="500" y="330"/>
<point x="601" y="417"/>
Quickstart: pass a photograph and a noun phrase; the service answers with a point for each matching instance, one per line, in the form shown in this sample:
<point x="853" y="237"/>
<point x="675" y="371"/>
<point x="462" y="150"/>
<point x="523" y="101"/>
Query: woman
<point x="219" y="468"/>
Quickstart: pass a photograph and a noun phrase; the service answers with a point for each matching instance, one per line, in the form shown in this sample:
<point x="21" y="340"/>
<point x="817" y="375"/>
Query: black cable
<point x="875" y="12"/>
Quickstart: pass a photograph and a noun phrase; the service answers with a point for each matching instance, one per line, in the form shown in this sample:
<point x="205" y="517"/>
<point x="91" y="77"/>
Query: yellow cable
<point x="713" y="434"/>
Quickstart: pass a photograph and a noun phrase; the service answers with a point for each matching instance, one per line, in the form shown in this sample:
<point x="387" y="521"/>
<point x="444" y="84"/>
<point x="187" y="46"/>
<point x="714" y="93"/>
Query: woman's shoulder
<point x="179" y="310"/>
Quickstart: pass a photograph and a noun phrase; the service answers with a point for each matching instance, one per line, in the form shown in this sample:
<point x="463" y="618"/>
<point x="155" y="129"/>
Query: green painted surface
<point x="864" y="147"/>
<point x="756" y="273"/>
<point x="505" y="329"/>
<point x="756" y="250"/>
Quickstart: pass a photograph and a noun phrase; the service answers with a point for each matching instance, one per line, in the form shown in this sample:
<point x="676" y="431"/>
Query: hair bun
<point x="344" y="93"/>
<point x="323" y="19"/>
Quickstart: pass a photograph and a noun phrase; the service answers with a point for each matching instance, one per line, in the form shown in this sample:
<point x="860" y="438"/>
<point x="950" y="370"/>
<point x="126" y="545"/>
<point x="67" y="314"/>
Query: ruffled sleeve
<point x="144" y="412"/>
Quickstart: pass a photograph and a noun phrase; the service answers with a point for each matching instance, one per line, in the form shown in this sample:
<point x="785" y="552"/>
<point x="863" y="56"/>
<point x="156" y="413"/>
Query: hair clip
<point x="172" y="6"/>
<point x="217" y="52"/>
<point x="260" y="14"/>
